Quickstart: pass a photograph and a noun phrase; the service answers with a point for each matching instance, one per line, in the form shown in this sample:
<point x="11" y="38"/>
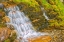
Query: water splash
<point x="21" y="24"/>
<point x="44" y="14"/>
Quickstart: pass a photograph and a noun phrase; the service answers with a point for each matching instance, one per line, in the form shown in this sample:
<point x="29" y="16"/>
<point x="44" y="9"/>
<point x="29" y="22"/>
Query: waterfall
<point x="44" y="14"/>
<point x="22" y="24"/>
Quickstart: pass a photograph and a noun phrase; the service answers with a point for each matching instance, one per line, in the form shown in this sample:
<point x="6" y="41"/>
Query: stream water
<point x="22" y="24"/>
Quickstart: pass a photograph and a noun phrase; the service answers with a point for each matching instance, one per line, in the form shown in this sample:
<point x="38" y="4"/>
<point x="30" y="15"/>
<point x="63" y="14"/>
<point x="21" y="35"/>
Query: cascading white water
<point x="44" y="14"/>
<point x="21" y="24"/>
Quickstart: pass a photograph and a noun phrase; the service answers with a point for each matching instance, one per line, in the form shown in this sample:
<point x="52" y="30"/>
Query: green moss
<point x="46" y="4"/>
<point x="54" y="8"/>
<point x="7" y="40"/>
<point x="32" y="3"/>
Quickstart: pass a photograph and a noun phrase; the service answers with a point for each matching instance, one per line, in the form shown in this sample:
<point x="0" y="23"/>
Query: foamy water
<point x="22" y="24"/>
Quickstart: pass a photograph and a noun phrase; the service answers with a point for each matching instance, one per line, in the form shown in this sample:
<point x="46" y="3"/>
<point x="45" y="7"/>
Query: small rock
<point x="1" y="5"/>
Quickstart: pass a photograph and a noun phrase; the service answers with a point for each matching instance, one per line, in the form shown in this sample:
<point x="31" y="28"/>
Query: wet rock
<point x="2" y="13"/>
<point x="1" y="5"/>
<point x="13" y="32"/>
<point x="4" y="33"/>
<point x="13" y="35"/>
<point x="6" y="19"/>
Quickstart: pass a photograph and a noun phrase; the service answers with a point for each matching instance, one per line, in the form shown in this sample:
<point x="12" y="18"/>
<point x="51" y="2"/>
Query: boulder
<point x="40" y="39"/>
<point x="4" y="33"/>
